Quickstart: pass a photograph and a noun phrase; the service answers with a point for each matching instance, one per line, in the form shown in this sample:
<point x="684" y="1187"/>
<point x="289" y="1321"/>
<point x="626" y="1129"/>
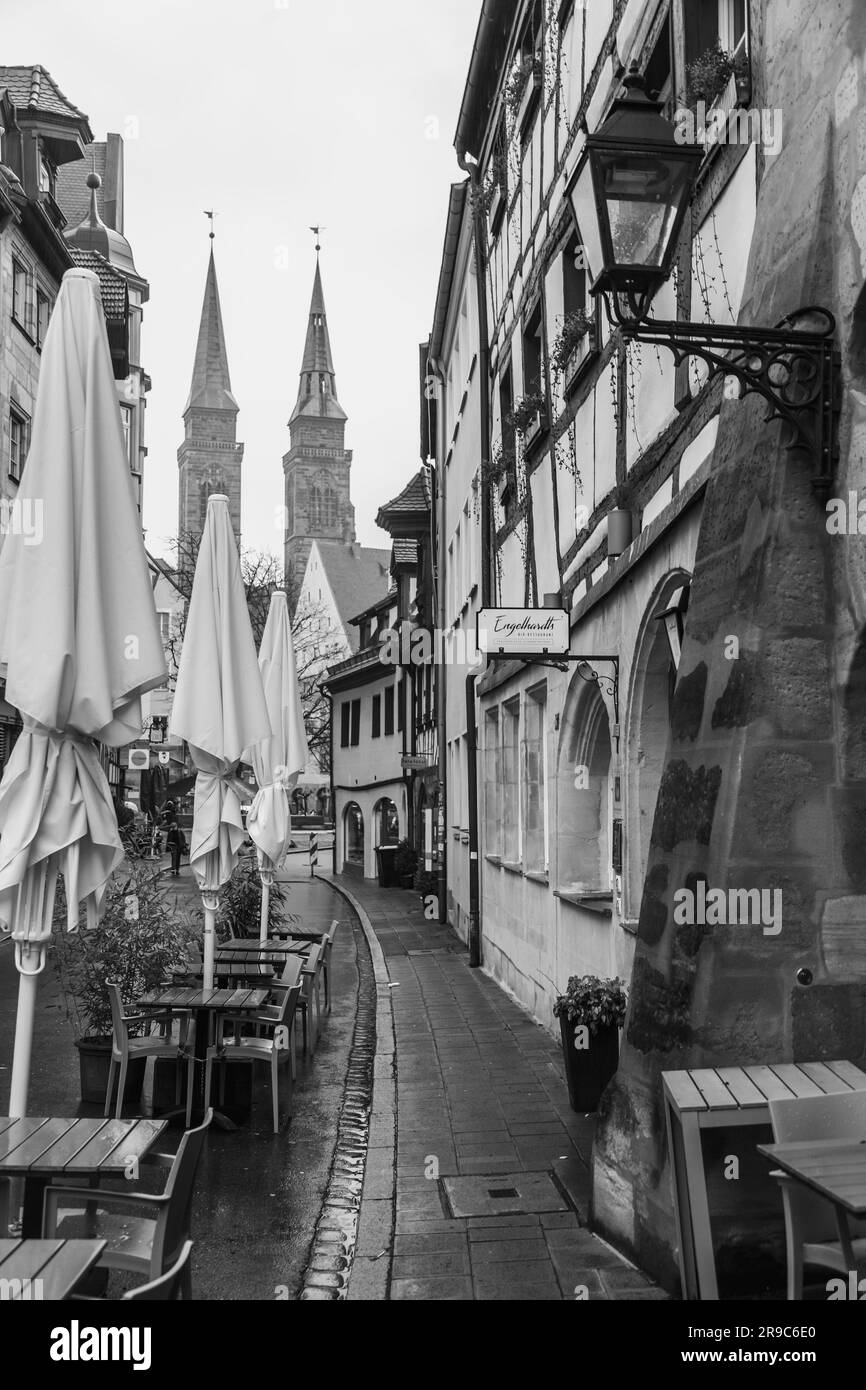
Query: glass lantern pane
<point x="644" y="198"/>
<point x="586" y="216"/>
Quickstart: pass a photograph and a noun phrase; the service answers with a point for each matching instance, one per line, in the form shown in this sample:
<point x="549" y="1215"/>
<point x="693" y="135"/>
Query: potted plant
<point x="405" y="864"/>
<point x="591" y="1013"/>
<point x="569" y="341"/>
<point x="138" y="941"/>
<point x="709" y="75"/>
<point x="241" y="902"/>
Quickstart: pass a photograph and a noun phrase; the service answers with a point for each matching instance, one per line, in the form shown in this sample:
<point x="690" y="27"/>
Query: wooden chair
<point x="327" y="948"/>
<point x="273" y="1050"/>
<point x="148" y="1244"/>
<point x="124" y="1048"/>
<point x="816" y="1231"/>
<point x="173" y="1285"/>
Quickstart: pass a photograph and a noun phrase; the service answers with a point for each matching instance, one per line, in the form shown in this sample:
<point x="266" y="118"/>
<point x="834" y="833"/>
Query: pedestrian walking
<point x="176" y="843"/>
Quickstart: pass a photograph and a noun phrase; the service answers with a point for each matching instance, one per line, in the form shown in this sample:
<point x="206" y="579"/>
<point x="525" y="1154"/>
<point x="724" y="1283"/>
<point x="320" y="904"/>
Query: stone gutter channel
<point x="371" y="1090"/>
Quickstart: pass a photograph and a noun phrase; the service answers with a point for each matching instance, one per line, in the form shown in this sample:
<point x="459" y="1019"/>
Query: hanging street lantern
<point x="630" y="193"/>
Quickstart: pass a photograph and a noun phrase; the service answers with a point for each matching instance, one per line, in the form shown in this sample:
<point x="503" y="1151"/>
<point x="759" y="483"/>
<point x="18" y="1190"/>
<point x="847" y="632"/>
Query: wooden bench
<point x="727" y="1097"/>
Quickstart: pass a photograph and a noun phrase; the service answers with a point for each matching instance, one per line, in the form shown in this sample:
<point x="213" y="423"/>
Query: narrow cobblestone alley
<point x="477" y="1179"/>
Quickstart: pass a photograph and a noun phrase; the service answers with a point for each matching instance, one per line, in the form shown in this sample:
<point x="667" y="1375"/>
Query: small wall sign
<point x="523" y="631"/>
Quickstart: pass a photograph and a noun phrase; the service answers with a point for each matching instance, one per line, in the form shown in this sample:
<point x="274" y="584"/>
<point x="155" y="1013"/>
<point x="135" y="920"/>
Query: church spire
<point x="317" y="393"/>
<point x="211" y="387"/>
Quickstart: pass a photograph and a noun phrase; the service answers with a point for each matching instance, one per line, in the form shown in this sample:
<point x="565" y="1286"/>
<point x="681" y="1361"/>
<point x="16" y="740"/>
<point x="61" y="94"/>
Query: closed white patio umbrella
<point x="219" y="709"/>
<point x="80" y="640"/>
<point x="281" y="758"/>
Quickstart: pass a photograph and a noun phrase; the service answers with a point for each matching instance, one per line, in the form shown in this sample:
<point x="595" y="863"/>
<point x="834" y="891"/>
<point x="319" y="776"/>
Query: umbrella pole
<point x="23" y="1045"/>
<point x="267" y="877"/>
<point x="210" y="902"/>
<point x="31" y="908"/>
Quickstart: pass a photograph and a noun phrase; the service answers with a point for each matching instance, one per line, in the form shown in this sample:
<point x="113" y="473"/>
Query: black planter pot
<point x="588" y="1070"/>
<point x="94" y="1060"/>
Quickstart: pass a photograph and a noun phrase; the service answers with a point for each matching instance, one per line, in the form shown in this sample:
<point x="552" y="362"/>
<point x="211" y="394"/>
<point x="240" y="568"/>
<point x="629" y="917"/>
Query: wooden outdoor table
<point x="272" y="961"/>
<point x="42" y="1148"/>
<point x="718" y="1098"/>
<point x="46" y="1270"/>
<point x="834" y="1167"/>
<point x="237" y="969"/>
<point x="205" y="1003"/>
<point x="255" y="949"/>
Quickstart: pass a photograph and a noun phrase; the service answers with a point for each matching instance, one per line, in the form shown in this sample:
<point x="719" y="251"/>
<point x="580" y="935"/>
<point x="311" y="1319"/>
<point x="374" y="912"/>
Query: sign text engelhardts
<point x="523" y="631"/>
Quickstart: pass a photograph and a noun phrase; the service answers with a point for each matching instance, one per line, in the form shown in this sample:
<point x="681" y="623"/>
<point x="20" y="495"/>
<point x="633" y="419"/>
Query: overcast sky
<point x="278" y="114"/>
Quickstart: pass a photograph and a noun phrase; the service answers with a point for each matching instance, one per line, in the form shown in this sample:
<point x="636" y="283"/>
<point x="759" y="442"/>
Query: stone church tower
<point x="210" y="458"/>
<point x="317" y="465"/>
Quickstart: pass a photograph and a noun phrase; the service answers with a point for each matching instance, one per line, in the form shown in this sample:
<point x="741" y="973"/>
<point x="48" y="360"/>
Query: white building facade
<point x="600" y="455"/>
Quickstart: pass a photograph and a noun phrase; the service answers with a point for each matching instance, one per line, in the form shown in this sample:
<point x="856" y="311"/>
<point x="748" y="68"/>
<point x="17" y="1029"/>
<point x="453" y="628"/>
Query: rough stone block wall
<point x="755" y="792"/>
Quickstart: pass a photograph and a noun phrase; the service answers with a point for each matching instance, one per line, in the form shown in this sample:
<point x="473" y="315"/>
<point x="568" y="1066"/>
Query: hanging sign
<point x="139" y="759"/>
<point x="523" y="631"/>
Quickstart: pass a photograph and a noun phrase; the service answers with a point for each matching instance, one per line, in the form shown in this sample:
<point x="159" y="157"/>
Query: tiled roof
<point x="404" y="553"/>
<point x="359" y="577"/>
<point x="415" y="497"/>
<point x="33" y="88"/>
<point x="112" y="285"/>
<point x="73" y="195"/>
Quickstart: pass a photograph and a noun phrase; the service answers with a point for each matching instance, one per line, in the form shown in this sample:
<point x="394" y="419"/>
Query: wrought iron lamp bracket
<point x="796" y="370"/>
<point x="609" y="685"/>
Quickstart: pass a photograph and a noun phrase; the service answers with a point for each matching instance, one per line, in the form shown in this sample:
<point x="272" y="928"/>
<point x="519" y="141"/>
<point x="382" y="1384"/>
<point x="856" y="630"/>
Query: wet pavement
<point x="478" y="1173"/>
<point x="258" y="1195"/>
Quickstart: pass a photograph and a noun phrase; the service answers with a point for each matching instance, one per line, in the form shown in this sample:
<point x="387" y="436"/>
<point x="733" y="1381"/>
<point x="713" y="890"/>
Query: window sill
<point x="494" y="859"/>
<point x="602" y="903"/>
<point x="510" y="867"/>
<point x="537" y="876"/>
<point x="630" y="924"/>
<point x="21" y="329"/>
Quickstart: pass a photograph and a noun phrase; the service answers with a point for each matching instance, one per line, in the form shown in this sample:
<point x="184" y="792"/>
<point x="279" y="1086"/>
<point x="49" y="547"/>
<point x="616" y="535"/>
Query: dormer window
<point x="46" y="175"/>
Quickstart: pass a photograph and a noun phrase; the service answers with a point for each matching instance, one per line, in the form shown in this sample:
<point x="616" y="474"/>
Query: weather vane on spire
<point x="318" y="231"/>
<point x="211" y="214"/>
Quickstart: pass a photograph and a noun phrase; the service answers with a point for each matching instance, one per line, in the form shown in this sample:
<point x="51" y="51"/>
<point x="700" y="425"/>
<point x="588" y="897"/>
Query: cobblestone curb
<point x="370" y="1088"/>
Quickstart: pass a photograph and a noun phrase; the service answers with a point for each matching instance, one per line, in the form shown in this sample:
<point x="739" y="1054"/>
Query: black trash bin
<point x="385" y="856"/>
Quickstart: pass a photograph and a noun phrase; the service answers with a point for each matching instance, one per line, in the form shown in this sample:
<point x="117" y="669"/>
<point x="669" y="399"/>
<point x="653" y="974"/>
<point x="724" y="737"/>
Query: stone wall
<point x="762" y="786"/>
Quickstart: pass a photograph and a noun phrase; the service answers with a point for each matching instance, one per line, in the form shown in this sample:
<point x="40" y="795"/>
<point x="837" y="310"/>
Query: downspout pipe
<point x="434" y="367"/>
<point x="331" y="776"/>
<point x="470" y="166"/>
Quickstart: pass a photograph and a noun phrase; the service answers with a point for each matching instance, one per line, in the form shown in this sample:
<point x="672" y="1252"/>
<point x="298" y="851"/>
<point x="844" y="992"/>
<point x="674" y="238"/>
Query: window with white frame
<point x="492" y="784"/>
<point x="43" y="314"/>
<point x="511" y="782"/>
<point x="466" y="525"/>
<point x="535" y="850"/>
<point x="126" y="421"/>
<point x="19" y="441"/>
<point x="711" y="23"/>
<point x="20" y="294"/>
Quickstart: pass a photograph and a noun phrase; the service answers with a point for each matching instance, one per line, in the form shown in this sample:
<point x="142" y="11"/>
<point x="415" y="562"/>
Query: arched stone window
<point x="353" y="832"/>
<point x="647" y="728"/>
<point x="584" y="793"/>
<point x="323" y="507"/>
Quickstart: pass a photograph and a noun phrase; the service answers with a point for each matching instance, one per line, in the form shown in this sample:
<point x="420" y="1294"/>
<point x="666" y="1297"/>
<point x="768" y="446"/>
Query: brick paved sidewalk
<point x="479" y="1095"/>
